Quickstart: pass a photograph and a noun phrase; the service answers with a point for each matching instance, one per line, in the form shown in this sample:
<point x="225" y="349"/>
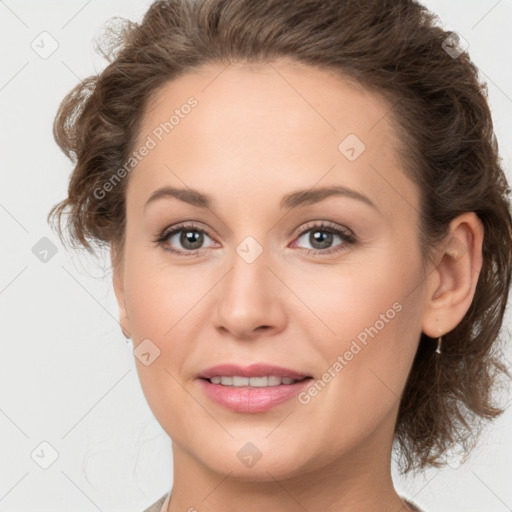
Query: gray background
<point x="67" y="376"/>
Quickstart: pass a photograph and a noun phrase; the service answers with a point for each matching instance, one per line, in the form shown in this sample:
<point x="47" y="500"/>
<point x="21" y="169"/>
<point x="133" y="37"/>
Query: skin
<point x="260" y="132"/>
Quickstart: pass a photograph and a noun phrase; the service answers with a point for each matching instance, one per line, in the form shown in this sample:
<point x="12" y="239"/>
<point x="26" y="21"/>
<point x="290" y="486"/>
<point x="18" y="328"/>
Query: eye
<point x="190" y="236"/>
<point x="322" y="235"/>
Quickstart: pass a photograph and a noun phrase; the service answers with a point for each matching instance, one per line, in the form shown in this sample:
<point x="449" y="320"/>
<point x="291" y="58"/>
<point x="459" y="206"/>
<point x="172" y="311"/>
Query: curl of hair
<point x="448" y="148"/>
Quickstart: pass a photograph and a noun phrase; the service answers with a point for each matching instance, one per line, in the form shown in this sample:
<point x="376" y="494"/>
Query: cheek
<point x="372" y="319"/>
<point x="160" y="303"/>
<point x="341" y="303"/>
<point x="157" y="295"/>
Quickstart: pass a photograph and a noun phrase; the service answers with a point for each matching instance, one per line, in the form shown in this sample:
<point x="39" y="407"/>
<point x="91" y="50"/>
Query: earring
<point x="439" y="341"/>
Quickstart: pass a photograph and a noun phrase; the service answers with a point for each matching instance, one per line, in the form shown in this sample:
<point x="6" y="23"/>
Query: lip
<point x="253" y="370"/>
<point x="251" y="400"/>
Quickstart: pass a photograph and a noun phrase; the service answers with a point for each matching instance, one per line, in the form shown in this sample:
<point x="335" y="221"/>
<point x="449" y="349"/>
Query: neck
<point x="356" y="481"/>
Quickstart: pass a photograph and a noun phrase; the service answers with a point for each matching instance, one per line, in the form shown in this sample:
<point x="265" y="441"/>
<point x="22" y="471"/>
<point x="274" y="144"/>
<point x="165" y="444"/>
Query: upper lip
<point x="253" y="370"/>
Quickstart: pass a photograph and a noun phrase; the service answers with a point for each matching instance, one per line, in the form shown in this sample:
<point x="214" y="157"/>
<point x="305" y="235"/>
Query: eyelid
<point x="322" y="224"/>
<point x="191" y="225"/>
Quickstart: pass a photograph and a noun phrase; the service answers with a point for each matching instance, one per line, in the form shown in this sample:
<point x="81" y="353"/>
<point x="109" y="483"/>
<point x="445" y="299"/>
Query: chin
<point x="248" y="464"/>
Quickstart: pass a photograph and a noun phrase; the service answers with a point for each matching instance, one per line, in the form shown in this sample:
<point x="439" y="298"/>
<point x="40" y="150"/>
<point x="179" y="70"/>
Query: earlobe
<point x="452" y="284"/>
<point x="118" y="284"/>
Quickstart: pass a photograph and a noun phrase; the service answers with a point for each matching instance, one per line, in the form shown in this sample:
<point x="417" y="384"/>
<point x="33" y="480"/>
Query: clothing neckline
<point x="167" y="497"/>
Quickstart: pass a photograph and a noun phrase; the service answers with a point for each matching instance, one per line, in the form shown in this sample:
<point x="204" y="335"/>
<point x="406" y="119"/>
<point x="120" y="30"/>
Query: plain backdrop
<point x="75" y="430"/>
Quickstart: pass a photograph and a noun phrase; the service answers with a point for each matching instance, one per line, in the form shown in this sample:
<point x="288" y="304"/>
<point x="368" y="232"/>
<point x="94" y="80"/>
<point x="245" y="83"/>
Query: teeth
<point x="255" y="382"/>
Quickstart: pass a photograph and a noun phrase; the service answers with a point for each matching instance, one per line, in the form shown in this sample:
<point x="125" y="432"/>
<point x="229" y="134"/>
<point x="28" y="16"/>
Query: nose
<point x="250" y="300"/>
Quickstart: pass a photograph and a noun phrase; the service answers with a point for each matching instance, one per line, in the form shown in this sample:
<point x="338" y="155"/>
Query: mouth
<point x="239" y="381"/>
<point x="252" y="394"/>
<point x="255" y="375"/>
<point x="256" y="388"/>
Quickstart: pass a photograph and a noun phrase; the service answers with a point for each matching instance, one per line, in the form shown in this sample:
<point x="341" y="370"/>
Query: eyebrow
<point x="289" y="201"/>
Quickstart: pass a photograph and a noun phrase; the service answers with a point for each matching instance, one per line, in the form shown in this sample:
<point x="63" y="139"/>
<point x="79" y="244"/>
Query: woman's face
<point x="255" y="280"/>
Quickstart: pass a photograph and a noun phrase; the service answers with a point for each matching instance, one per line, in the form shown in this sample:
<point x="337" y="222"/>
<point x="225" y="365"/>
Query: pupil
<point x="323" y="237"/>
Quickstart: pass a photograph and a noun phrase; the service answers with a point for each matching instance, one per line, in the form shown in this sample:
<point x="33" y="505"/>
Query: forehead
<point x="279" y="124"/>
<point x="301" y="98"/>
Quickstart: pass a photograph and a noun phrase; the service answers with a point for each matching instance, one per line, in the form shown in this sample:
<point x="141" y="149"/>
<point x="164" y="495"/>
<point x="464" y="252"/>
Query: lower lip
<point x="246" y="399"/>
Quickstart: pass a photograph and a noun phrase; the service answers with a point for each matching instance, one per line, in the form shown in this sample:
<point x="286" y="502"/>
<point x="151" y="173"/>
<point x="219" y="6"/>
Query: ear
<point x="118" y="282"/>
<point x="452" y="284"/>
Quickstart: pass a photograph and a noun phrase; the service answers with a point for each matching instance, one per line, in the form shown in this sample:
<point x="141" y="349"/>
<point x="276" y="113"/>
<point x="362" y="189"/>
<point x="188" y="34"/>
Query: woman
<point x="310" y="237"/>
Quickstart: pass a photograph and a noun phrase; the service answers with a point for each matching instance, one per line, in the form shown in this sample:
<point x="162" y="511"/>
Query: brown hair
<point x="439" y="109"/>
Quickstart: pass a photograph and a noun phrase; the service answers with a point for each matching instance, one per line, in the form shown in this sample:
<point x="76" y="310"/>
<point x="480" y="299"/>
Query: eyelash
<point x="348" y="237"/>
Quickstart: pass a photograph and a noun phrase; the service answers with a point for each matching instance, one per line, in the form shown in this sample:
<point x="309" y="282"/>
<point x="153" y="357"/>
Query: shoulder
<point x="412" y="506"/>
<point x="157" y="506"/>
